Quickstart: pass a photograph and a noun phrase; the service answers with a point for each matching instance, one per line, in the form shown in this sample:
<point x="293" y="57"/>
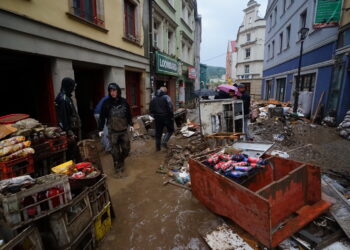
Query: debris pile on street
<point x="344" y="127"/>
<point x="263" y="110"/>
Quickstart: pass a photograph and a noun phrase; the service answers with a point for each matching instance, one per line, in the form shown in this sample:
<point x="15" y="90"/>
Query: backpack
<point x="117" y="118"/>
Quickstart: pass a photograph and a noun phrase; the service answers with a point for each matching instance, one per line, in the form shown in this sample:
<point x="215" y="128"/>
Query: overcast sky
<point x="220" y="22"/>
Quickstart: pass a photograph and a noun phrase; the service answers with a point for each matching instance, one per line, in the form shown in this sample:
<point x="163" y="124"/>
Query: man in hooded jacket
<point x="116" y="112"/>
<point x="68" y="117"/>
<point x="161" y="108"/>
<point x="67" y="114"/>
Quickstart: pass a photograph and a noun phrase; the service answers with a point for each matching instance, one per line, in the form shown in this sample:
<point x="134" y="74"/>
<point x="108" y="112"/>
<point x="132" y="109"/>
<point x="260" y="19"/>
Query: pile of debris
<point x="263" y="110"/>
<point x="344" y="127"/>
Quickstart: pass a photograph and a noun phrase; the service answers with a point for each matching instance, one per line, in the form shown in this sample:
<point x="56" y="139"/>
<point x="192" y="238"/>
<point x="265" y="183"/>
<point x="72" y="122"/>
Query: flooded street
<point x="150" y="215"/>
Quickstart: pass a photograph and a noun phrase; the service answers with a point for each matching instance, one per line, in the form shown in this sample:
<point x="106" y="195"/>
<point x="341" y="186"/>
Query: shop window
<point x="130" y="18"/>
<point x="307" y="82"/>
<point x="280" y="89"/>
<point x="268" y="89"/>
<point x="90" y="10"/>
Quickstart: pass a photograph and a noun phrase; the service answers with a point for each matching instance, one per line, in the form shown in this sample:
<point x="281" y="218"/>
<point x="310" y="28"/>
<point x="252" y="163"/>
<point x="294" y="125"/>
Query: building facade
<point x="176" y="29"/>
<point x="95" y="42"/>
<point x="338" y="102"/>
<point x="250" y="50"/>
<point x="231" y="60"/>
<point x="282" y="49"/>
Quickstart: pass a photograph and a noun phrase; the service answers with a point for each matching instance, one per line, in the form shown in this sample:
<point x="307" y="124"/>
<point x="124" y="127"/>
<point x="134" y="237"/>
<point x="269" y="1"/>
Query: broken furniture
<point x="223" y="115"/>
<point x="273" y="205"/>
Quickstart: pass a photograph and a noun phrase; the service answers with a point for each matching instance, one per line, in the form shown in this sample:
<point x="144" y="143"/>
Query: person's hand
<point x="100" y="134"/>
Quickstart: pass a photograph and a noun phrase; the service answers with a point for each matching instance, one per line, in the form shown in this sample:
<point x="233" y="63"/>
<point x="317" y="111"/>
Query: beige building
<point x="93" y="41"/>
<point x="250" y="50"/>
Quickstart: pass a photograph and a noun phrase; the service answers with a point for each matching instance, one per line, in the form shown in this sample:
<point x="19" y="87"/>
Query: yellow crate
<point x="103" y="222"/>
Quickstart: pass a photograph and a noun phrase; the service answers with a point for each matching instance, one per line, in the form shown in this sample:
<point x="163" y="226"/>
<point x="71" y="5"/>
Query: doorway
<point x="133" y="91"/>
<point x="26" y="80"/>
<point x="89" y="91"/>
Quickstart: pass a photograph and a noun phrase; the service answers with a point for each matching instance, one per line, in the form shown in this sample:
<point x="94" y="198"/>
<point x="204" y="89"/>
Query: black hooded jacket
<point x="111" y="102"/>
<point x="66" y="112"/>
<point x="161" y="105"/>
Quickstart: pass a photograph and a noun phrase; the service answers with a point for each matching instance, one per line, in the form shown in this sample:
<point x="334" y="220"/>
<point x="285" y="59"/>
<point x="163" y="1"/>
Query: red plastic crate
<point x="59" y="143"/>
<point x="17" y="167"/>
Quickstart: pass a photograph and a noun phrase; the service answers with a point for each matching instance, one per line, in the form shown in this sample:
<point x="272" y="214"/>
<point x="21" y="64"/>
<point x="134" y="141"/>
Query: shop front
<point x="188" y="77"/>
<point x="167" y="72"/>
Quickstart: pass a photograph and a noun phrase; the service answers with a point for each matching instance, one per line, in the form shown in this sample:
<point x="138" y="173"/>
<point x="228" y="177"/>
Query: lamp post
<point x="303" y="32"/>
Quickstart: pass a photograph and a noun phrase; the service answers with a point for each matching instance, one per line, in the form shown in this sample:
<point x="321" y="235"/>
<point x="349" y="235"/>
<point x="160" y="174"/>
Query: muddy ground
<point x="149" y="214"/>
<point x="327" y="150"/>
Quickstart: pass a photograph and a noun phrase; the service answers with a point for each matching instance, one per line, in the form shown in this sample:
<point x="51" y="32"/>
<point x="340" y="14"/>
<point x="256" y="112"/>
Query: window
<point x="281" y="42"/>
<point x="246" y="69"/>
<point x="247" y="53"/>
<point x="307" y="82"/>
<point x="90" y="10"/>
<point x="344" y="38"/>
<point x="130" y="20"/>
<point x="270" y="21"/>
<point x="171" y="43"/>
<point x="284" y="6"/>
<point x="250" y="20"/>
<point x="273" y="49"/>
<point x="156" y="35"/>
<point x="303" y="17"/>
<point x="184" y="50"/>
<point x="280" y="89"/>
<point x="268" y="89"/>
<point x="184" y="12"/>
<point x="248" y="37"/>
<point x="275" y="16"/>
<point x="269" y="51"/>
<point x="288" y="36"/>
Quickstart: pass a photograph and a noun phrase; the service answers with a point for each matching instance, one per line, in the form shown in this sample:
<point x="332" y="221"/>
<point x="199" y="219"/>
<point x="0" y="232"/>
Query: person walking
<point x="68" y="117"/>
<point x="161" y="108"/>
<point x="245" y="97"/>
<point x="104" y="137"/>
<point x="115" y="112"/>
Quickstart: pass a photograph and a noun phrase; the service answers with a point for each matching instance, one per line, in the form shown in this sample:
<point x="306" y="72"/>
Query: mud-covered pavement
<point x="150" y="215"/>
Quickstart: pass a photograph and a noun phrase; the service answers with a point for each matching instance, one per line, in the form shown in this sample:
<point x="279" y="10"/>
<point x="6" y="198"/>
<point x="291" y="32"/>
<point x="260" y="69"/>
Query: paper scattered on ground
<point x="223" y="238"/>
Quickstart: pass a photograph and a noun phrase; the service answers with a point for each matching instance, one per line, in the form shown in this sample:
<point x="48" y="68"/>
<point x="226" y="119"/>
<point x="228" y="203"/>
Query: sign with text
<point x="166" y="65"/>
<point x="192" y="72"/>
<point x="327" y="13"/>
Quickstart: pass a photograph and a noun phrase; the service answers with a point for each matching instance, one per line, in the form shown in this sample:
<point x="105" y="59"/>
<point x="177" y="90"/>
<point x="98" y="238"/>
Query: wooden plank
<point x="339" y="210"/>
<point x="305" y="216"/>
<point x="318" y="107"/>
<point x="229" y="199"/>
<point x="280" y="194"/>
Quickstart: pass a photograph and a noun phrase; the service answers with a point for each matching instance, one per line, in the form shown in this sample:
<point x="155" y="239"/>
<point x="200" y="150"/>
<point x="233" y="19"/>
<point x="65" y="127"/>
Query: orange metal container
<point x="277" y="202"/>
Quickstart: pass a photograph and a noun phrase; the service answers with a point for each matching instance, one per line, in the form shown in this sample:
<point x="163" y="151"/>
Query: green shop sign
<point x="327" y="13"/>
<point x="166" y="65"/>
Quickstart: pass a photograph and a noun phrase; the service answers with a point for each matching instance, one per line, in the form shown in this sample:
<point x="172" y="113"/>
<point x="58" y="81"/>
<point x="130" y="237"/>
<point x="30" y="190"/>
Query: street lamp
<point x="303" y="32"/>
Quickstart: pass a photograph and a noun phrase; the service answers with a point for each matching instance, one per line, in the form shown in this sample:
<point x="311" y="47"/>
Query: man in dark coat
<point x="67" y="114"/>
<point x="161" y="108"/>
<point x="68" y="117"/>
<point x="115" y="111"/>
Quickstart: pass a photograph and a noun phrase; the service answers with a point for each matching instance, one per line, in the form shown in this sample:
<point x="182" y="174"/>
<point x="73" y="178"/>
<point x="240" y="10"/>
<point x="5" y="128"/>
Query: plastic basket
<point x="57" y="144"/>
<point x="68" y="224"/>
<point x="103" y="223"/>
<point x="17" y="167"/>
<point x="29" y="238"/>
<point x="99" y="196"/>
<point x="17" y="212"/>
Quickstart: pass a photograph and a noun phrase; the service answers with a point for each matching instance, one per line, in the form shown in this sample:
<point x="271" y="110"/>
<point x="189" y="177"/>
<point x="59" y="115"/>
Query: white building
<point x="250" y="50"/>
